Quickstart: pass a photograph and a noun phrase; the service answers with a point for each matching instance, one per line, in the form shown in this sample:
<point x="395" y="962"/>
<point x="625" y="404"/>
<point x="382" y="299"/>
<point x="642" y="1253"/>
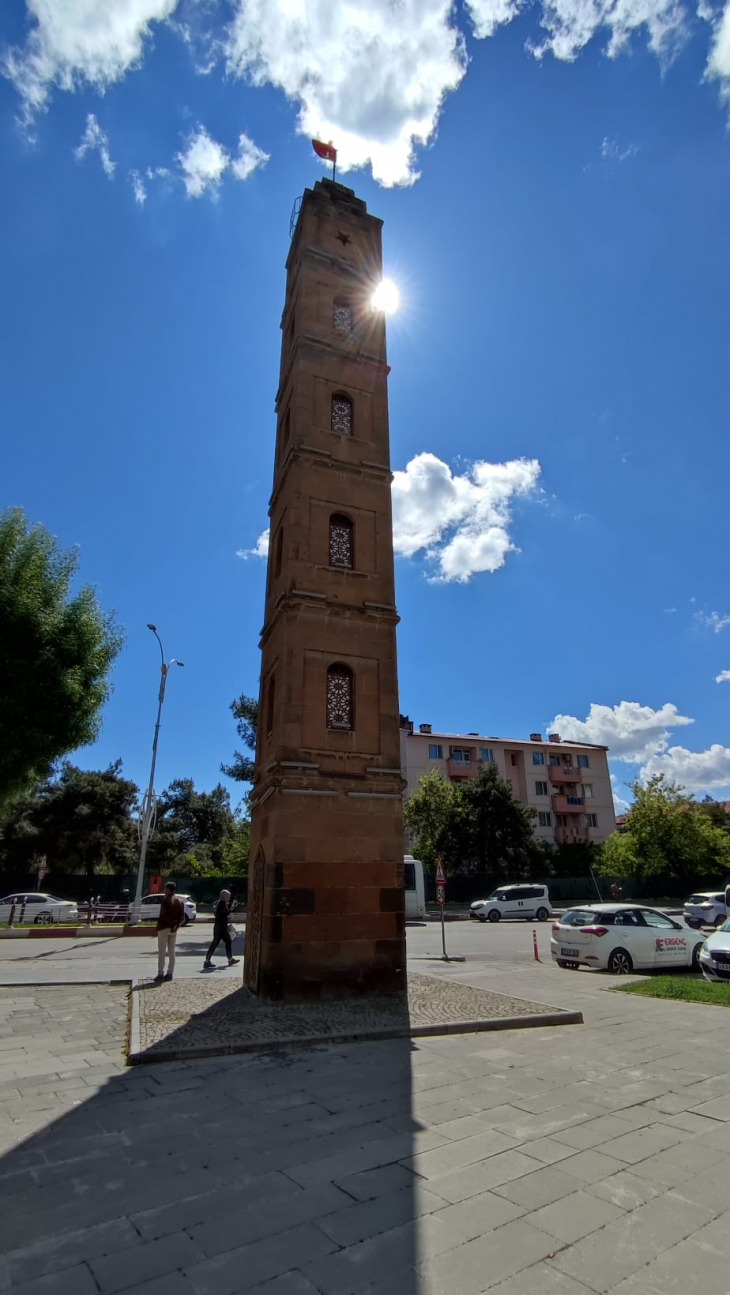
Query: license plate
<point x="570" y="953"/>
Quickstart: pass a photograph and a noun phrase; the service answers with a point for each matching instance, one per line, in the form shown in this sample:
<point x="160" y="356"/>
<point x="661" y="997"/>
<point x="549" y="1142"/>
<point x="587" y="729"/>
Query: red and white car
<point x="622" y="938"/>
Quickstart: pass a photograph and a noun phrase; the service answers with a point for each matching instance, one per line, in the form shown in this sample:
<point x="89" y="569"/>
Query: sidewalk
<point x="565" y="1161"/>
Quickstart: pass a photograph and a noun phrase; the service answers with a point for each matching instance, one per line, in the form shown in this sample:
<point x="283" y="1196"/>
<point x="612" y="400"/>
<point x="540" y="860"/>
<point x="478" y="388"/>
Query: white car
<point x="622" y="938"/>
<point x="41" y="909"/>
<point x="151" y="907"/>
<point x="525" y="901"/>
<point x="706" y="908"/>
<point x="715" y="955"/>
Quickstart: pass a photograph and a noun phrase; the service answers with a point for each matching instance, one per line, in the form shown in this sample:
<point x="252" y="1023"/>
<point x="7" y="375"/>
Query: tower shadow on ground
<point x="274" y="1172"/>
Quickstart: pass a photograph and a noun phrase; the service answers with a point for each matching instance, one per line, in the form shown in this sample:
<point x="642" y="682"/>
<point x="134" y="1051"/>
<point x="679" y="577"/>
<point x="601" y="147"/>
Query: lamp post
<point x="149" y="801"/>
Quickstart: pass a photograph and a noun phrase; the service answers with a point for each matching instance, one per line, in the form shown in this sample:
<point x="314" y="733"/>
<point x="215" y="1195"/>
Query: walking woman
<point x="220" y="931"/>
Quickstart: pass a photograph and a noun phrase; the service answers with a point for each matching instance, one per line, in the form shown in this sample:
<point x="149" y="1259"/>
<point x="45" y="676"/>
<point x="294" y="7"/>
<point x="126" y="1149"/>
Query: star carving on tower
<point x="344" y="238"/>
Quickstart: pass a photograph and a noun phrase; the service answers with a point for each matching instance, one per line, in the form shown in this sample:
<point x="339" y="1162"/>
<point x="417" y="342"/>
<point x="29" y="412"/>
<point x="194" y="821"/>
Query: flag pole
<point x="334" y="167"/>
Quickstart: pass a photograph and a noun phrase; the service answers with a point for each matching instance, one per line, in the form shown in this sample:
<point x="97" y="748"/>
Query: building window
<point x="486" y="754"/>
<point x="341" y="546"/>
<point x="461" y="755"/>
<point x="541" y="789"/>
<point x="342" y="415"/>
<point x="340" y="688"/>
<point x="342" y="316"/>
<point x="513" y="759"/>
<point x="591" y="820"/>
<point x="555" y="759"/>
<point x="588" y="790"/>
<point x="270" y="695"/>
<point x="583" y="762"/>
<point x="561" y="820"/>
<point x="435" y="751"/>
<point x="538" y="757"/>
<point x="544" y="818"/>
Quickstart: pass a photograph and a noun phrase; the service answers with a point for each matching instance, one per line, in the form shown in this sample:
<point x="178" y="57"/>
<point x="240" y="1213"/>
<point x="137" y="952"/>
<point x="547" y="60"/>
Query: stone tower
<point x="326" y="905"/>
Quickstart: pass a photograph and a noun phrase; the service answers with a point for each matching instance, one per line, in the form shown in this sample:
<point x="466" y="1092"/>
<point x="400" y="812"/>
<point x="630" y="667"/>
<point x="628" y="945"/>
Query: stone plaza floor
<point x="593" y="1158"/>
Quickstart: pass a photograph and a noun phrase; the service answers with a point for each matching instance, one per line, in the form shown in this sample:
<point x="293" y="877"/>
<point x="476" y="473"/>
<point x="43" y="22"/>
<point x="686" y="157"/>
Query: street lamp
<point x="149" y="801"/>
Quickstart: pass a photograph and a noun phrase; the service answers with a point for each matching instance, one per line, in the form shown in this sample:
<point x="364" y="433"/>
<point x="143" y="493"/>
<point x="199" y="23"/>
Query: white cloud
<point x="695" y="770"/>
<point x="204" y="162"/>
<point x="138" y="187"/>
<point x="723" y="677"/>
<point x="612" y="151"/>
<point x="571" y="24"/>
<point x="718" y="63"/>
<point x="79" y="42"/>
<point x="259" y="550"/>
<point x="249" y="157"/>
<point x="713" y="620"/>
<point x="631" y="732"/>
<point x="95" y="140"/>
<point x="370" y="74"/>
<point x="459" y="521"/>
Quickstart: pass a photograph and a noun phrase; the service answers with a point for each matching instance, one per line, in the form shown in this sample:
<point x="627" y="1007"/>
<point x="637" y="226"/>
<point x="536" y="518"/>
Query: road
<point x="495" y="948"/>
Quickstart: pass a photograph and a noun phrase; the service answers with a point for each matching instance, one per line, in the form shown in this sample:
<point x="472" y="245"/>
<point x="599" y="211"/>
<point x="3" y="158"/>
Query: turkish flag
<point x="325" y="151"/>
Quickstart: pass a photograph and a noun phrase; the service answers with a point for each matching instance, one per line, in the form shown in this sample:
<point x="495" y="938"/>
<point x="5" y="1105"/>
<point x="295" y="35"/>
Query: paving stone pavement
<point x="548" y="1162"/>
<point x="212" y="1016"/>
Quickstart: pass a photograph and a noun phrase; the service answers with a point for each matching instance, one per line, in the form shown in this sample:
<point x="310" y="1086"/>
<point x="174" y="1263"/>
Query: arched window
<point x="342" y="316"/>
<point x="341" y="541"/>
<point x="279" y="551"/>
<point x="270" y="705"/>
<point x="340" y="697"/>
<point x="342" y="415"/>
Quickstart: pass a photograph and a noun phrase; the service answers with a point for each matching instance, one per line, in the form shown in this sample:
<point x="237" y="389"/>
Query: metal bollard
<point x="22" y="911"/>
<point x="11" y="919"/>
<point x="534" y="945"/>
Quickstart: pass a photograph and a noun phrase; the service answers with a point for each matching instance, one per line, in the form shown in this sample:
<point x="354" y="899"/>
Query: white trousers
<point x="166" y="945"/>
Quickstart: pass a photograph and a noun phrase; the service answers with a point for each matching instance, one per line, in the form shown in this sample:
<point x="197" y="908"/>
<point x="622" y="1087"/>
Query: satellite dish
<point x="294" y="216"/>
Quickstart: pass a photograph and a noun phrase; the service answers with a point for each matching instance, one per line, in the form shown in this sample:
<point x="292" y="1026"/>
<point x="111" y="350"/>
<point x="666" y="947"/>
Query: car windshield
<point x="725" y="926"/>
<point x="499" y="894"/>
<point x="698" y="899"/>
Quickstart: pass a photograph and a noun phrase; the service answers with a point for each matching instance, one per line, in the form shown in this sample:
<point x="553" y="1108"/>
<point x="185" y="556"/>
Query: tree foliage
<point x="666" y="833"/>
<point x="80" y="819"/>
<point x="477" y="825"/>
<point x="245" y="711"/>
<point x="56" y="651"/>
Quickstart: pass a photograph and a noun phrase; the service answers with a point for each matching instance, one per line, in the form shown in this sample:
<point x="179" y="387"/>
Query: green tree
<point x="80" y="820"/>
<point x="237" y="848"/>
<point x="426" y="815"/>
<point x="666" y="834"/>
<point x="191" y="822"/>
<point x="495" y="830"/>
<point x="245" y="711"/>
<point x="56" y="651"/>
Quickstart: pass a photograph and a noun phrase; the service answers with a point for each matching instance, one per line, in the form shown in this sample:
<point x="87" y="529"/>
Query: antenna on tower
<point x="294" y="216"/>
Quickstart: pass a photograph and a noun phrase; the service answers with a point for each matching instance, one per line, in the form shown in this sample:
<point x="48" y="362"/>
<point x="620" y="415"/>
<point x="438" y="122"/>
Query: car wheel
<point x="692" y="923"/>
<point x="494" y="914"/>
<point x="44" y="919"/>
<point x="696" y="957"/>
<point x="719" y="921"/>
<point x="542" y="915"/>
<point x="186" y="920"/>
<point x="620" y="963"/>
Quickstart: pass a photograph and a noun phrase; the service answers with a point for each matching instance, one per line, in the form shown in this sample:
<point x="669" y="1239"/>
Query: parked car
<point x="706" y="908"/>
<point x="39" y="908"/>
<point x="520" y="900"/>
<point x="715" y="954"/>
<point x="622" y="938"/>
<point x="151" y="908"/>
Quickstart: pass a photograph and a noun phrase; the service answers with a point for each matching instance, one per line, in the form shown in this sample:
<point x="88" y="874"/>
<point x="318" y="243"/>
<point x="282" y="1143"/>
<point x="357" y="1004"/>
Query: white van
<point x="415" y="889"/>
<point x="514" y="901"/>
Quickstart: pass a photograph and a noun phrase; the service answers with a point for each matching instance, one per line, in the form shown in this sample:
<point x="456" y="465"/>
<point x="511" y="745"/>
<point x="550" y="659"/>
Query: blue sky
<point x="555" y="187"/>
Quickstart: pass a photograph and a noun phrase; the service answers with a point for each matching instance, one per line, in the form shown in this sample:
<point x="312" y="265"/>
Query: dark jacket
<point x="221" y="916"/>
<point x="171" y="913"/>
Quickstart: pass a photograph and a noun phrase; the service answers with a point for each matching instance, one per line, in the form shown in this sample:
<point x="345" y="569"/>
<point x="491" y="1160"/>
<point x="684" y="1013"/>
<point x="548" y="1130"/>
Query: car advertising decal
<point x="666" y="943"/>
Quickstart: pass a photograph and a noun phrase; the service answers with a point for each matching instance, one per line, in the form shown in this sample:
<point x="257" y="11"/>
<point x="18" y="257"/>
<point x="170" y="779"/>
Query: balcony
<point x="568" y="804"/>
<point x="565" y="773"/>
<point x="461" y="768"/>
<point x="570" y="835"/>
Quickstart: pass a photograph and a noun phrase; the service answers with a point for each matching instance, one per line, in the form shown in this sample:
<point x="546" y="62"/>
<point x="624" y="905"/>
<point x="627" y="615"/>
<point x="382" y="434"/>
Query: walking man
<point x="220" y="931"/>
<point x="168" y="924"/>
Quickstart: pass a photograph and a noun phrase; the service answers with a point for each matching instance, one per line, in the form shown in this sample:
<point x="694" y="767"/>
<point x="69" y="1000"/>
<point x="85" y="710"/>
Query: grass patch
<point x="684" y="989"/>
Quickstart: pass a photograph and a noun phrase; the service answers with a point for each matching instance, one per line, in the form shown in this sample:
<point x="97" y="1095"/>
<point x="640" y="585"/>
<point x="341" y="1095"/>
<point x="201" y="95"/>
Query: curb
<point x="73" y="932"/>
<point x="136" y="1056"/>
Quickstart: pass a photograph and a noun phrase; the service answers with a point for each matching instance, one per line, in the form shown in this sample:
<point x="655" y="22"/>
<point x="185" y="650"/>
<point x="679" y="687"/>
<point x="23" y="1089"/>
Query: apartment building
<point x="567" y="783"/>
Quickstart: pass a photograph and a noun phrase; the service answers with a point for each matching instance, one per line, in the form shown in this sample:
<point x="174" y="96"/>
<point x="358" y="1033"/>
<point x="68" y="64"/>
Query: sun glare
<point x="386" y="297"/>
